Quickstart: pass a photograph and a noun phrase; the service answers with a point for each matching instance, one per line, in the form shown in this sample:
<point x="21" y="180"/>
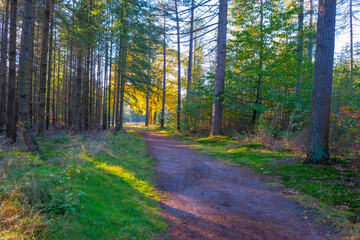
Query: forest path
<point x="209" y="200"/>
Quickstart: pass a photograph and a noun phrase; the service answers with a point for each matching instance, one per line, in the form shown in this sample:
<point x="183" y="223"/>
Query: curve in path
<point x="209" y="200"/>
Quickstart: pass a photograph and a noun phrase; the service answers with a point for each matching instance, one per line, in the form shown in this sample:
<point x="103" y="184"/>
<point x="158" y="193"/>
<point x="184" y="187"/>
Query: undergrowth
<point x="79" y="187"/>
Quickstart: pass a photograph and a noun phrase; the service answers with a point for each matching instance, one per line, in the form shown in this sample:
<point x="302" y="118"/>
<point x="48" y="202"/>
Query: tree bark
<point x="48" y="87"/>
<point x="77" y="110"/>
<point x="162" y="121"/>
<point x="43" y="68"/>
<point x="351" y="47"/>
<point x="24" y="120"/>
<point x="3" y="69"/>
<point x="259" y="81"/>
<point x="300" y="46"/>
<point x="310" y="37"/>
<point x="31" y="67"/>
<point x="104" y="118"/>
<point x="11" y="119"/>
<point x="318" y="142"/>
<point x="188" y="87"/>
<point x="147" y="114"/>
<point x="178" y="111"/>
<point x="217" y="111"/>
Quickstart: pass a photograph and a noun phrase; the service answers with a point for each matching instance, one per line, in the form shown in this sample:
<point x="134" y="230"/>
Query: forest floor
<point x="206" y="199"/>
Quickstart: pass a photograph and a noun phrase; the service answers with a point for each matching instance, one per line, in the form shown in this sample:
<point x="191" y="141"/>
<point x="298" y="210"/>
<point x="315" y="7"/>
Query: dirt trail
<point x="209" y="200"/>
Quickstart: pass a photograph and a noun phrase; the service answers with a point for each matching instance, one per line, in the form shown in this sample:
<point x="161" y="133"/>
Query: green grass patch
<point x="80" y="187"/>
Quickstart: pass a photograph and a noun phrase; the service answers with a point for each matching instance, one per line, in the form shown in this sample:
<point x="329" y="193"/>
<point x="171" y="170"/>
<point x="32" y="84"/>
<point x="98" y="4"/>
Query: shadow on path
<point x="209" y="200"/>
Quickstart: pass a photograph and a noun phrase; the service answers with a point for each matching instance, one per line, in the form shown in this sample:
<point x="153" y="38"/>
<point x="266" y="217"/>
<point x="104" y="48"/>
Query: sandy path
<point x="209" y="200"/>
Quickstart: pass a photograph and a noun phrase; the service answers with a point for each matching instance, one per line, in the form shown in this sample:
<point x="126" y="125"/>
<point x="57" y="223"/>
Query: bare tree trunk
<point x="147" y="115"/>
<point x="110" y="71"/>
<point x="86" y="82"/>
<point x="11" y="119"/>
<point x="43" y="68"/>
<point x="77" y="112"/>
<point x="104" y="121"/>
<point x="188" y="87"/>
<point x="318" y="143"/>
<point x="48" y="87"/>
<point x="178" y="112"/>
<point x="300" y="46"/>
<point x="217" y="112"/>
<point x="118" y="86"/>
<point x="311" y="38"/>
<point x="351" y="48"/>
<point x="4" y="45"/>
<point x="24" y="120"/>
<point x="31" y="68"/>
<point x="162" y="121"/>
<point x="123" y="77"/>
<point x="259" y="82"/>
<point x="54" y="102"/>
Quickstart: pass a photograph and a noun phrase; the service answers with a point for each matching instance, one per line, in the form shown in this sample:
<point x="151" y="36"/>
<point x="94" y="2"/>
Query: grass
<point x="80" y="187"/>
<point x="334" y="191"/>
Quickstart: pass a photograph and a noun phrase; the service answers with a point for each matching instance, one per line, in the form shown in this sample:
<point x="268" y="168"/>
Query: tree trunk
<point x="77" y="110"/>
<point x="318" y="142"/>
<point x="48" y="87"/>
<point x="162" y="121"/>
<point x="86" y="91"/>
<point x="179" y="69"/>
<point x="104" y="121"/>
<point x="110" y="71"/>
<point x="24" y="120"/>
<point x="147" y="115"/>
<point x="188" y="87"/>
<point x="311" y="38"/>
<point x="3" y="69"/>
<point x="11" y="119"/>
<point x="259" y="81"/>
<point x="123" y="78"/>
<point x="351" y="48"/>
<point x="118" y="86"/>
<point x="217" y="111"/>
<point x="43" y="68"/>
<point x="300" y="46"/>
<point x="31" y="68"/>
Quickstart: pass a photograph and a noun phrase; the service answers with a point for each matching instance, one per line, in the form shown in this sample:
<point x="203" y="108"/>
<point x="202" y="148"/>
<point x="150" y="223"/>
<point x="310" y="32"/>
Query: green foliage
<point x="263" y="67"/>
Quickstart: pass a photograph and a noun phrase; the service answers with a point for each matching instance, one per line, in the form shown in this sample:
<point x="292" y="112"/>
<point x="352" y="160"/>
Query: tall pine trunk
<point x="77" y="94"/>
<point x="11" y="118"/>
<point x="257" y="102"/>
<point x="162" y="120"/>
<point x="217" y="111"/>
<point x="310" y="36"/>
<point x="178" y="111"/>
<point x="3" y="69"/>
<point x="24" y="120"/>
<point x="351" y="48"/>
<point x="300" y="46"/>
<point x="147" y="114"/>
<point x="318" y="142"/>
<point x="188" y="87"/>
<point x="48" y="86"/>
<point x="43" y="68"/>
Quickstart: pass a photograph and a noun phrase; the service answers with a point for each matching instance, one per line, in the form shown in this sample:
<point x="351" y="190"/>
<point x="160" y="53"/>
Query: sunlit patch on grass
<point x="142" y="186"/>
<point x="112" y="173"/>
